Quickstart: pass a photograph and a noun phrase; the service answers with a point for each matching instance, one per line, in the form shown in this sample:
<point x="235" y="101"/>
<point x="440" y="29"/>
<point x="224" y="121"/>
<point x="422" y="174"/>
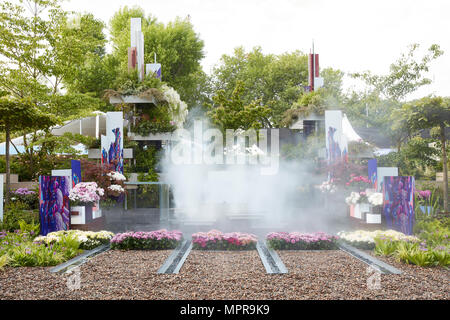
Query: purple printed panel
<point x="372" y="171"/>
<point x="54" y="212"/>
<point x="398" y="207"/>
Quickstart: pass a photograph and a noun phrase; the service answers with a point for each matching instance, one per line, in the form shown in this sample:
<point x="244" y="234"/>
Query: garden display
<point x="118" y="120"/>
<point x="301" y="241"/>
<point x="153" y="240"/>
<point x="217" y="240"/>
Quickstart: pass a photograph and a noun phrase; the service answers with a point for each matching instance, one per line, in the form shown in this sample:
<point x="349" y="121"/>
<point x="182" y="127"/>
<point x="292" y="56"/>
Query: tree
<point x="406" y="74"/>
<point x="178" y="48"/>
<point x="41" y="52"/>
<point x="427" y="113"/>
<point x="275" y="80"/>
<point x="16" y="115"/>
<point x="233" y="113"/>
<point x="376" y="105"/>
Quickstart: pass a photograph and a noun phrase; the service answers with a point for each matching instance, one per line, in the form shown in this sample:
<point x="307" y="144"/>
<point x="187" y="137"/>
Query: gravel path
<point x="225" y="275"/>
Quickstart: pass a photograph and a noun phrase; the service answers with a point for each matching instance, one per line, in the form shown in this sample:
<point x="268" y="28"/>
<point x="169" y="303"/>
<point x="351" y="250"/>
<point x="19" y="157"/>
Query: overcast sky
<point x="351" y="35"/>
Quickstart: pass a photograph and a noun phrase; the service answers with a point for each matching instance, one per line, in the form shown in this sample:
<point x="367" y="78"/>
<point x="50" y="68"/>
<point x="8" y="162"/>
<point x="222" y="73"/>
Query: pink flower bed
<point x="153" y="240"/>
<point x="216" y="240"/>
<point x="301" y="241"/>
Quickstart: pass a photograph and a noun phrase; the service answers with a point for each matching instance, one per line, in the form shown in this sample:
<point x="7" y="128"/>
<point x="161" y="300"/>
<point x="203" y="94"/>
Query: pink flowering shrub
<point x="301" y="241"/>
<point x="216" y="240"/>
<point x="153" y="240"/>
<point x="85" y="193"/>
<point x="359" y="183"/>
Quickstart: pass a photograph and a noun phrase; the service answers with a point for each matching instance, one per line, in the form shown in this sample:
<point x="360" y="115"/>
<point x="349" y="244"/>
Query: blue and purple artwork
<point x="334" y="151"/>
<point x="115" y="154"/>
<point x="54" y="212"/>
<point x="112" y="143"/>
<point x="336" y="141"/>
<point x="398" y="206"/>
<point x="372" y="172"/>
<point x="76" y="172"/>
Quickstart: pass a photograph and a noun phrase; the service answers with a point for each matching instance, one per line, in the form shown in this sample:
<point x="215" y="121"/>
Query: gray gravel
<point x="225" y="275"/>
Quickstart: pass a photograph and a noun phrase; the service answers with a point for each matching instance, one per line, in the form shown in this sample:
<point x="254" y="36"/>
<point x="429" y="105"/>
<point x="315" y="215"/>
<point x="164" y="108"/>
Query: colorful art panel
<point x="54" y="211"/>
<point x="104" y="147"/>
<point x="114" y="134"/>
<point x="398" y="206"/>
<point x="336" y="142"/>
<point x="372" y="172"/>
<point x="385" y="172"/>
<point x="76" y="172"/>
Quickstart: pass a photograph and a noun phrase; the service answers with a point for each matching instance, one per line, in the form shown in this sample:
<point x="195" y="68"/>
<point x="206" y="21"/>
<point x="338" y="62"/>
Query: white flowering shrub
<point x="353" y="198"/>
<point x="116" y="176"/>
<point x="376" y="199"/>
<point x="178" y="109"/>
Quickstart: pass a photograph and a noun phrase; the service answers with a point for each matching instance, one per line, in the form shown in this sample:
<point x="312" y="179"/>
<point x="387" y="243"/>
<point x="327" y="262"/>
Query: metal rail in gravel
<point x="270" y="259"/>
<point x="79" y="260"/>
<point x="177" y="258"/>
<point x="368" y="259"/>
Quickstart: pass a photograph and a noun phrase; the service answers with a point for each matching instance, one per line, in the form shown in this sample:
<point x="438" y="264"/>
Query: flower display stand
<point x="357" y="211"/>
<point x="87" y="218"/>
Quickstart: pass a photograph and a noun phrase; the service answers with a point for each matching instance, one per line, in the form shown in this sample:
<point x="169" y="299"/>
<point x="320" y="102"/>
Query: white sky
<point x="350" y="35"/>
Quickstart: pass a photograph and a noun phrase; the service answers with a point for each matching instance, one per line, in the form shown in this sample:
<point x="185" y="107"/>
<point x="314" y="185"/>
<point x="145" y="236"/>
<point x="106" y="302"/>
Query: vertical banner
<point x="385" y="172"/>
<point x="104" y="149"/>
<point x="54" y="212"/>
<point x="1" y="198"/>
<point x="336" y="142"/>
<point x="398" y="206"/>
<point x="114" y="135"/>
<point x="372" y="173"/>
<point x="76" y="172"/>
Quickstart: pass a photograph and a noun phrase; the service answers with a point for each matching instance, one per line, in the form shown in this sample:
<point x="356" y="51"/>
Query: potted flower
<point x="376" y="203"/>
<point x="83" y="198"/>
<point x="115" y="190"/>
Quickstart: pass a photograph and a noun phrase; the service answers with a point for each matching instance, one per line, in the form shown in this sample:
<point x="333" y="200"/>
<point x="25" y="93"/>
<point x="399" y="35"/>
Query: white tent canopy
<point x="90" y="126"/>
<point x="348" y="130"/>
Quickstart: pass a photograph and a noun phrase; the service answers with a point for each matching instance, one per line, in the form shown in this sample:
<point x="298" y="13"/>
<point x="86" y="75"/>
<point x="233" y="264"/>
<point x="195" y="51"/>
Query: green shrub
<point x="4" y="259"/>
<point x="16" y="212"/>
<point x="412" y="253"/>
<point x="385" y="246"/>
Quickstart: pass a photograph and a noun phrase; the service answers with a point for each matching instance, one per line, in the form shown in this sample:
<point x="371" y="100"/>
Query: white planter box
<point x="96" y="211"/>
<point x="373" y="218"/>
<point x="358" y="213"/>
<point x="80" y="218"/>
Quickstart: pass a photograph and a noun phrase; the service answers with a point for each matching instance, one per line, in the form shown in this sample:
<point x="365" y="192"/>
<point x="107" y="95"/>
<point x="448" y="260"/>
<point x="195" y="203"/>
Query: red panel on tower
<point x="311" y="72"/>
<point x="316" y="65"/>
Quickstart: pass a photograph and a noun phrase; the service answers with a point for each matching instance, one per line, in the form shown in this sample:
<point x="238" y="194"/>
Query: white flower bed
<point x="366" y="239"/>
<point x="87" y="239"/>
